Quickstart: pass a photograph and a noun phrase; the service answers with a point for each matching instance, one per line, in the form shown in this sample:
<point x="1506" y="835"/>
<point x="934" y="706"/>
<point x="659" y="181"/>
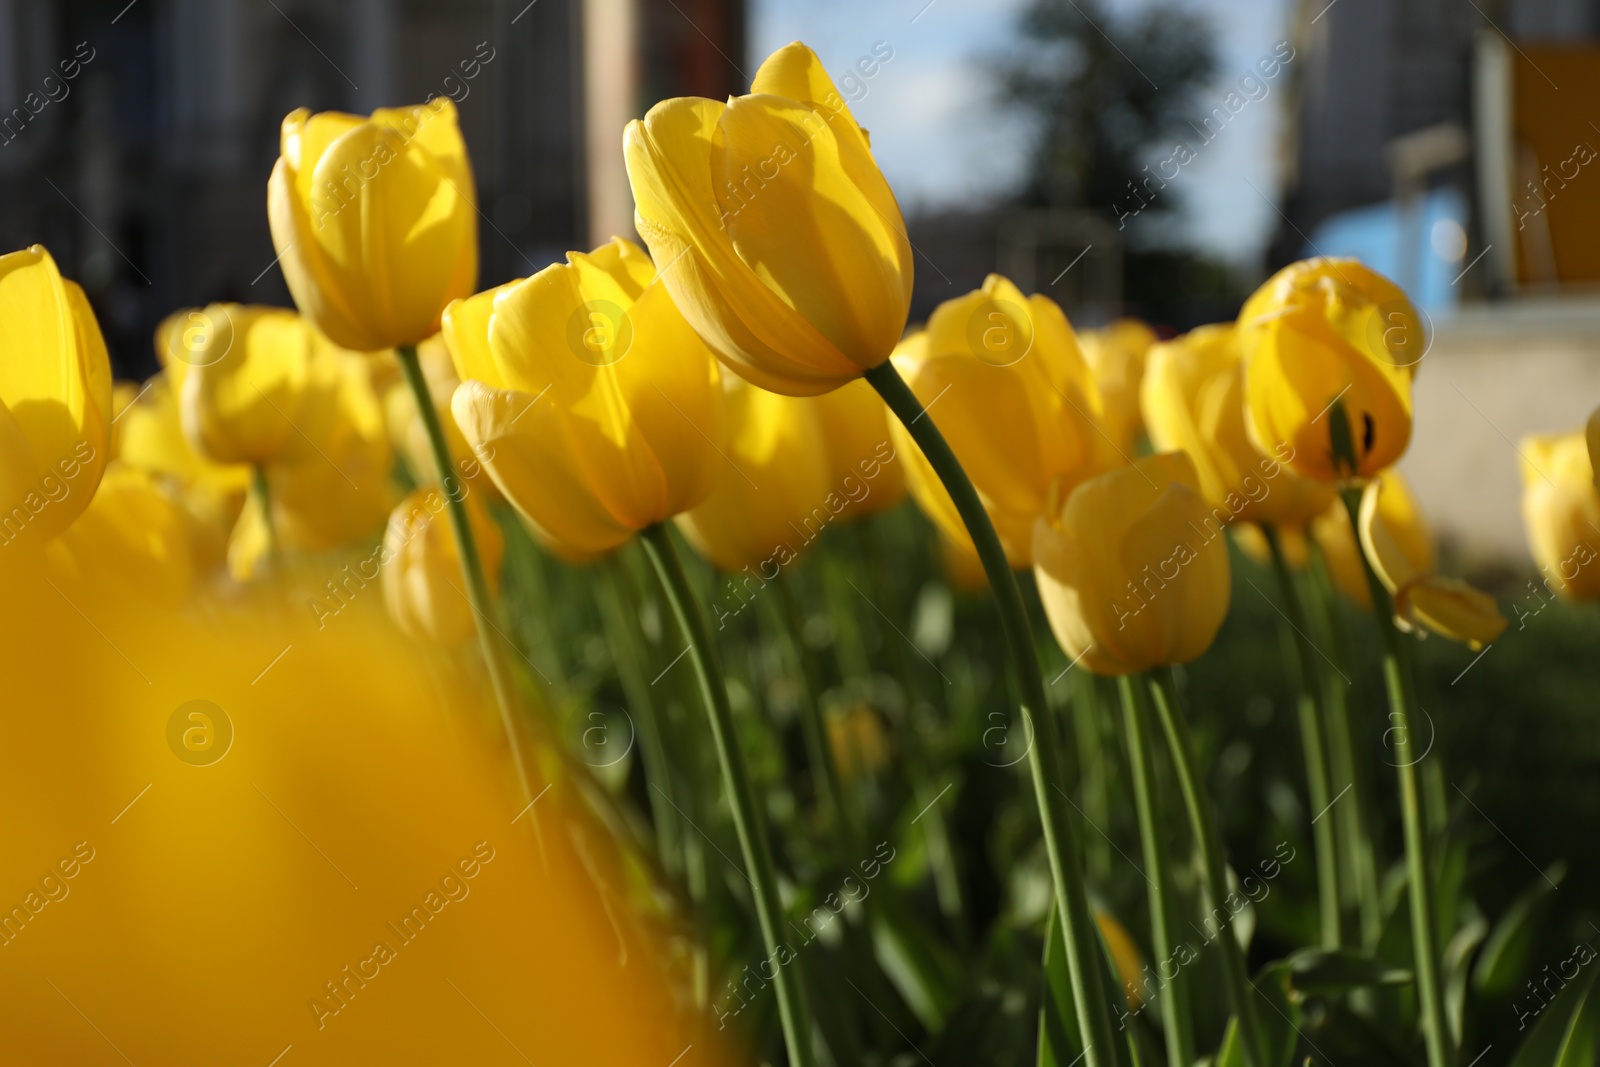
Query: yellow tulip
<point x="410" y="437"/>
<point x="858" y="740"/>
<point x="1130" y="577"/>
<point x="1422" y="599"/>
<point x="243" y="371"/>
<point x="629" y="432"/>
<point x="1193" y="401"/>
<point x="1116" y="355"/>
<point x="1561" y="509"/>
<point x="773" y="496"/>
<point x="375" y="221"/>
<point x="135" y="541"/>
<point x="422" y="584"/>
<point x="1322" y="330"/>
<point x="330" y="486"/>
<point x="1002" y="375"/>
<point x="55" y="399"/>
<point x="780" y="239"/>
<point x="859" y="445"/>
<point x="1342" y="551"/>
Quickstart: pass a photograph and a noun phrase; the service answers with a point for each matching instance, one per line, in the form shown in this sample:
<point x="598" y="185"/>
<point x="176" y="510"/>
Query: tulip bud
<point x="1561" y="509"/>
<point x="1422" y="599"/>
<point x="629" y="432"/>
<point x="1117" y="355"/>
<point x="1193" y="401"/>
<point x="782" y="242"/>
<point x="773" y="497"/>
<point x="375" y="221"/>
<point x="55" y="399"/>
<point x="1129" y="575"/>
<point x="242" y="372"/>
<point x="1012" y="395"/>
<point x="1322" y="332"/>
<point x="422" y="568"/>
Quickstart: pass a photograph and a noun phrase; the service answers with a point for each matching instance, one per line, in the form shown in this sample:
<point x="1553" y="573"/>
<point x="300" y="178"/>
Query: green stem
<point x="263" y="494"/>
<point x="1399" y="683"/>
<point x="1355" y="819"/>
<point x="1302" y="671"/>
<point x="1079" y="935"/>
<point x="747" y="821"/>
<point x="471" y="562"/>
<point x="1177" y="1024"/>
<point x="618" y="608"/>
<point x="1240" y="991"/>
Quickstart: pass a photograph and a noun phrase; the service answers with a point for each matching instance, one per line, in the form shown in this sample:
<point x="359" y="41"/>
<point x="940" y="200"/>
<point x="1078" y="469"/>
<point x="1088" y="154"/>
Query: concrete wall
<point x="1494" y="374"/>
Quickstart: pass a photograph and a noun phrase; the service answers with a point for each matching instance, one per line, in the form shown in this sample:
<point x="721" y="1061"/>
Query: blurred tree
<point x="1106" y="92"/>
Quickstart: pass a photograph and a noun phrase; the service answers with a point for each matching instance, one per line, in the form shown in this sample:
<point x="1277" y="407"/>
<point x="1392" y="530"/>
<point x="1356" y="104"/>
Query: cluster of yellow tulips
<point x="750" y="381"/>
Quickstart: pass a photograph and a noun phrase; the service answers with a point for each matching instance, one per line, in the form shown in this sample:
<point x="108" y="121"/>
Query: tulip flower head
<point x="1193" y="401"/>
<point x="1423" y="600"/>
<point x="592" y="404"/>
<point x="1561" y="510"/>
<point x="1116" y="355"/>
<point x="778" y="236"/>
<point x="55" y="399"/>
<point x="1330" y="350"/>
<point x="375" y="221"/>
<point x="1129" y="576"/>
<point x="862" y="459"/>
<point x="242" y="373"/>
<point x="775" y="495"/>
<point x="422" y="568"/>
<point x="1015" y="399"/>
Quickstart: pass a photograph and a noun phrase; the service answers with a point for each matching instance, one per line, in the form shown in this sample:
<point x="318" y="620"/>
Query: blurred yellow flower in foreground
<point x="1404" y="563"/>
<point x="780" y="239"/>
<point x="55" y="399"/>
<point x="1561" y="510"/>
<point x="629" y="432"/>
<point x="242" y="373"/>
<point x="1130" y="577"/>
<point x="192" y="754"/>
<point x="1322" y="330"/>
<point x="1193" y="400"/>
<point x="375" y="221"/>
<point x="136" y="540"/>
<point x="422" y="583"/>
<point x="1591" y="433"/>
<point x="1117" y="356"/>
<point x="1002" y="376"/>
<point x="772" y="497"/>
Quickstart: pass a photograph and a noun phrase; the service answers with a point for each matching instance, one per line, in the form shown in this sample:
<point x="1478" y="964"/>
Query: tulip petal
<point x="465" y="327"/>
<point x="531" y="458"/>
<point x="1451" y="608"/>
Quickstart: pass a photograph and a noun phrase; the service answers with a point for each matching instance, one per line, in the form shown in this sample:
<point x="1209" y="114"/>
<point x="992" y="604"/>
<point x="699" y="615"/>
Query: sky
<point x="943" y="142"/>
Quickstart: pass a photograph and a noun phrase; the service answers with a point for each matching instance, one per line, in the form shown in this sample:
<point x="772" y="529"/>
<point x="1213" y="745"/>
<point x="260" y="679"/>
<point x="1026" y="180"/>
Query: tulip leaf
<point x="1567" y="1033"/>
<point x="922" y="969"/>
<point x="1060" y="1040"/>
<point x="1510" y="944"/>
<point x="1322" y="972"/>
<point x="1458" y="957"/>
<point x="1278" y="1014"/>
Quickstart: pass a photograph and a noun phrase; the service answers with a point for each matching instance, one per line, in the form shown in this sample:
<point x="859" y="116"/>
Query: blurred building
<point x="136" y="137"/>
<point x="1454" y="146"/>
